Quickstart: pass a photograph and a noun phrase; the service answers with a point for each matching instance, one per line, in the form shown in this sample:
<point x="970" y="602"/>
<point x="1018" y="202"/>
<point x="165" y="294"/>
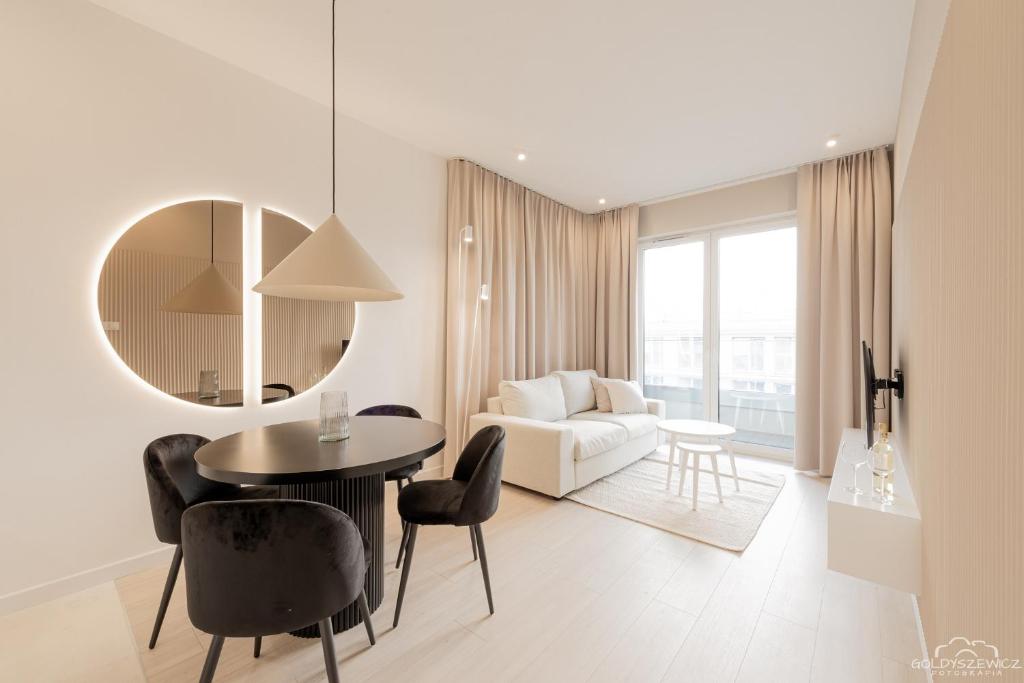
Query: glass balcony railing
<point x="759" y="417"/>
<point x="764" y="418"/>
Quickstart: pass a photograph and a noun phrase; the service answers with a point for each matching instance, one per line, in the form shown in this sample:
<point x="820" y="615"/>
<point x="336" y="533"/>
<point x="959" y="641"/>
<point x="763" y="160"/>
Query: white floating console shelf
<point x="880" y="543"/>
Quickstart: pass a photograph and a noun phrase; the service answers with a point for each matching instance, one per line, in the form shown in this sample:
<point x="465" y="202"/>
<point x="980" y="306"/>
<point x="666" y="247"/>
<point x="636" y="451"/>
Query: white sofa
<point x="566" y="443"/>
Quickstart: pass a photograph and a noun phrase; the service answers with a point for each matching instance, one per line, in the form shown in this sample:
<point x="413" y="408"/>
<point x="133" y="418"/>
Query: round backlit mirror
<point x="302" y="340"/>
<point x="171" y="304"/>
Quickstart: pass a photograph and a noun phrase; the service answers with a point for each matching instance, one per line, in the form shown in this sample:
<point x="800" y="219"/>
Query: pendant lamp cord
<point x="211" y="231"/>
<point x="334" y="172"/>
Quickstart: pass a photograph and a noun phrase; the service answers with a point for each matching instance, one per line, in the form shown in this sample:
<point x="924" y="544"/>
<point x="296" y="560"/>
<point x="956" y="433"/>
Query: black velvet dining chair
<point x="401" y="474"/>
<point x="261" y="567"/>
<point x="174" y="485"/>
<point x="469" y="498"/>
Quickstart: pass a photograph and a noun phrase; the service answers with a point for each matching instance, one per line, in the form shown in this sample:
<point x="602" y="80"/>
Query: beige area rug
<point x="638" y="492"/>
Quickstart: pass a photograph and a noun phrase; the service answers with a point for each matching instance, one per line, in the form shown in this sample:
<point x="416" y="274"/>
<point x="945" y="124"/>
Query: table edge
<point x="312" y="476"/>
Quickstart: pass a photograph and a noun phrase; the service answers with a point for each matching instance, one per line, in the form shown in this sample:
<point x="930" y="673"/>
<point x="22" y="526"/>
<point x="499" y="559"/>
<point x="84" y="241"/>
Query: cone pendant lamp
<point x="330" y="264"/>
<point x="210" y="292"/>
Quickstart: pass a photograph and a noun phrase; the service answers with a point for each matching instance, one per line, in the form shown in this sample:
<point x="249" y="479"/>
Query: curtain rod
<point x="541" y="194"/>
<point x="754" y="178"/>
<point x="687" y="193"/>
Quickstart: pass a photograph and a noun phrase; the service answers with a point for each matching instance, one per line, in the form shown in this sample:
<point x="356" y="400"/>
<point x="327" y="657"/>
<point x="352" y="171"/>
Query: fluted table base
<point x="362" y="499"/>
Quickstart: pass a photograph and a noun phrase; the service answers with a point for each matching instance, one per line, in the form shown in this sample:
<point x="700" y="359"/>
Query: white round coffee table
<point x="680" y="432"/>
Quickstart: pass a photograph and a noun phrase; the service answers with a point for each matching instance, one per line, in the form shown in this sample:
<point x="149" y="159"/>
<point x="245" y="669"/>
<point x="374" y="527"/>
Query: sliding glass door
<point x="673" y="314"/>
<point x="757" y="335"/>
<point x="719" y="329"/>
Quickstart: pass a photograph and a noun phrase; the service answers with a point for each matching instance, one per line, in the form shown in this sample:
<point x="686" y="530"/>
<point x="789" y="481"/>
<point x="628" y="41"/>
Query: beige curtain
<point x="562" y="290"/>
<point x="844" y="233"/>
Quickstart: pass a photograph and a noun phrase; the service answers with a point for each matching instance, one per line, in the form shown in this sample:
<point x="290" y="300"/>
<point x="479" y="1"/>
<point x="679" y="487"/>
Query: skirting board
<point x="66" y="585"/>
<point x="51" y="590"/>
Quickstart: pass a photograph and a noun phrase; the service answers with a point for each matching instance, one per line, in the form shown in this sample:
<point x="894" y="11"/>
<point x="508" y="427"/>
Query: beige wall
<point x="958" y="326"/>
<point x="107" y="128"/>
<point x="732" y="204"/>
<point x="925" y="32"/>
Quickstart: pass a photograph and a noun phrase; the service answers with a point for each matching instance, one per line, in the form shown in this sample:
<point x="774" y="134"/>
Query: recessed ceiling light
<point x="601" y="201"/>
<point x="832" y="142"/>
<point x="521" y="156"/>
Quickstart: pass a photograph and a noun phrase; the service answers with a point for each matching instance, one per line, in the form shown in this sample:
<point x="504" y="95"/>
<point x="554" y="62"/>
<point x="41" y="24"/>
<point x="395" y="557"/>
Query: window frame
<point x="710" y="236"/>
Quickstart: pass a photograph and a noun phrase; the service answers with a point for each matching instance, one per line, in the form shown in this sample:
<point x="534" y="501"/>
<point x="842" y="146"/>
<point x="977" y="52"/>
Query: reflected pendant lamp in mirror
<point x="209" y="293"/>
<point x="330" y="264"/>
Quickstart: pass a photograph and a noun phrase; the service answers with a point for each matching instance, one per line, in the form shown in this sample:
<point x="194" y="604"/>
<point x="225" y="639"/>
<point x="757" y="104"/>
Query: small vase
<point x="333" y="416"/>
<point x="209" y="384"/>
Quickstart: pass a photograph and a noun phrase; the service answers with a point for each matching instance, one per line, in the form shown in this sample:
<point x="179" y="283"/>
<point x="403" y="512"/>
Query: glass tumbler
<point x="209" y="384"/>
<point x="333" y="415"/>
<point x="856" y="458"/>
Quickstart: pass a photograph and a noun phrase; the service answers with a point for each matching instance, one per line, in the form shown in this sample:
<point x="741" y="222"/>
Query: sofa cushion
<point x="626" y="397"/>
<point x="636" y="424"/>
<point x="536" y="399"/>
<point x="604" y="404"/>
<point x="592" y="438"/>
<point x="578" y="390"/>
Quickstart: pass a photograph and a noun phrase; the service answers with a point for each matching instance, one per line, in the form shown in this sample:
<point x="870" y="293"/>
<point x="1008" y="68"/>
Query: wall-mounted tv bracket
<point x="896" y="383"/>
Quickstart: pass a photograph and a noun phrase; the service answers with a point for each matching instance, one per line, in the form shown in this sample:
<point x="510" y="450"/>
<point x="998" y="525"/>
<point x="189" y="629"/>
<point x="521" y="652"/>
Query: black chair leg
<point x="401" y="546"/>
<point x="404" y="523"/>
<point x="483" y="565"/>
<point x="405" y="571"/>
<point x="364" y="609"/>
<point x="257" y="643"/>
<point x="211" y="659"/>
<point x="172" y="578"/>
<point x="330" y="659"/>
<point x="472" y="538"/>
<point x="397" y="482"/>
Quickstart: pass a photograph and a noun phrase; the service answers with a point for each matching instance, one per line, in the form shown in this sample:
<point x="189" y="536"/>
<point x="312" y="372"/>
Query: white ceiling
<point x="624" y="100"/>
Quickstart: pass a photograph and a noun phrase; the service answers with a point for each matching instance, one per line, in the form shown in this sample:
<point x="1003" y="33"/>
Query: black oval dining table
<point x="347" y="474"/>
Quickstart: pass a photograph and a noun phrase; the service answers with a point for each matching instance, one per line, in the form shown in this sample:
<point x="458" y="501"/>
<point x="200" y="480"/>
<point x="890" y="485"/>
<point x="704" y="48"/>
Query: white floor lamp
<point x="484" y="294"/>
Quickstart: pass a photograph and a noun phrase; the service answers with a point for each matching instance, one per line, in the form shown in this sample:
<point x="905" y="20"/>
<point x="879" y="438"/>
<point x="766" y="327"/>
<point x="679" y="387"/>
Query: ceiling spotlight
<point x="832" y="142"/>
<point x="601" y="201"/>
<point x="521" y="156"/>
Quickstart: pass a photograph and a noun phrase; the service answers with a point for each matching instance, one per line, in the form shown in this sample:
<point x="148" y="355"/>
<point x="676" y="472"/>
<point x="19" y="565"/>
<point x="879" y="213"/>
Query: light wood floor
<point x="580" y="595"/>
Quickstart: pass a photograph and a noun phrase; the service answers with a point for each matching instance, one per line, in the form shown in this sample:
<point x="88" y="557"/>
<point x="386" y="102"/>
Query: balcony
<point x="760" y="417"/>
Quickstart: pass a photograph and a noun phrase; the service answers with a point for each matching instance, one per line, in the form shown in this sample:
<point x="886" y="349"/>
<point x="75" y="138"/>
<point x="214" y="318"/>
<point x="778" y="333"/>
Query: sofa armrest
<point x="538" y="455"/>
<point x="656" y="406"/>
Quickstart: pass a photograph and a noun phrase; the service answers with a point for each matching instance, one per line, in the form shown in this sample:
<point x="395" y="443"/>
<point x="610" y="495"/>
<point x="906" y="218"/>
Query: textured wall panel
<point x="302" y="340"/>
<point x="958" y="323"/>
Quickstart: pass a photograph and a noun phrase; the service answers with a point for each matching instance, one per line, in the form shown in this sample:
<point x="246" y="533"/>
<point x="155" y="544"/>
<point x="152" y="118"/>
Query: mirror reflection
<point x="302" y="340"/>
<point x="171" y="304"/>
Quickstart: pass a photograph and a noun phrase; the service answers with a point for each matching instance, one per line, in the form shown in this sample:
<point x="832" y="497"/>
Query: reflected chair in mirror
<point x="402" y="474"/>
<point x="283" y="387"/>
<point x="469" y="498"/>
<point x="174" y="485"/>
<point x="262" y="567"/>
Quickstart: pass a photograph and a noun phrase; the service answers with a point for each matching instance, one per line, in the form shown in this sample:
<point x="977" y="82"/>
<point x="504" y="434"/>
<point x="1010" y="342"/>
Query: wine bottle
<point x="882" y="458"/>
